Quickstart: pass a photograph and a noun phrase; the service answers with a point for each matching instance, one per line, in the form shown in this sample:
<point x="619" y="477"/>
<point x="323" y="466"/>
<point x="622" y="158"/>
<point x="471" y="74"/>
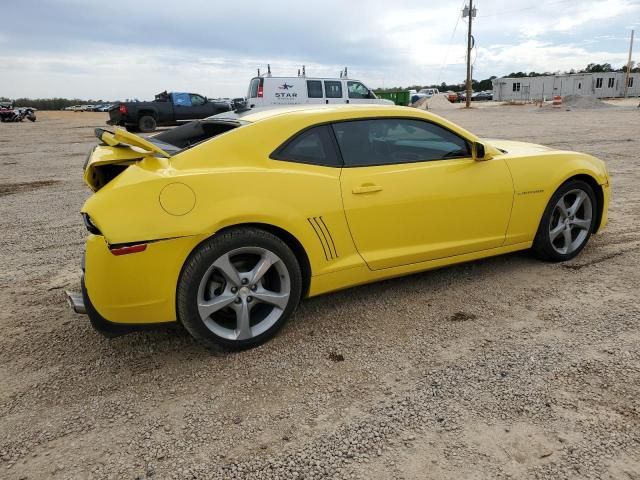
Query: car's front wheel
<point x="238" y="288"/>
<point x="567" y="222"/>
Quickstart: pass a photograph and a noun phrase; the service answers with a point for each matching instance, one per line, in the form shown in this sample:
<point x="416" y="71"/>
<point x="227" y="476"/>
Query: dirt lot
<point x="503" y="368"/>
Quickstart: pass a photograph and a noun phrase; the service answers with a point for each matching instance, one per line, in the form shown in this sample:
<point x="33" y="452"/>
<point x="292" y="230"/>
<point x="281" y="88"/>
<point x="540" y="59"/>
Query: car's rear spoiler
<point x="120" y="137"/>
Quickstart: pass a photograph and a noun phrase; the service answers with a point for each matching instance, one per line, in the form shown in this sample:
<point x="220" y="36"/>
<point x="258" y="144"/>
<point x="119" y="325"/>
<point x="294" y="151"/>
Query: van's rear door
<point x="255" y="95"/>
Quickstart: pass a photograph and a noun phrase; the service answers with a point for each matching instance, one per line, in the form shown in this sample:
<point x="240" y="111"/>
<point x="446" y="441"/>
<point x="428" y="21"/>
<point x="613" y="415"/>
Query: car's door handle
<point x="366" y="188"/>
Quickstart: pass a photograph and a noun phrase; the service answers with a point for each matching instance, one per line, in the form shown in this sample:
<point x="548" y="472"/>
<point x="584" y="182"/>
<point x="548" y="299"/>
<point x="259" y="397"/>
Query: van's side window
<point x="358" y="90"/>
<point x="333" y="89"/>
<point x="314" y="146"/>
<point x="314" y="88"/>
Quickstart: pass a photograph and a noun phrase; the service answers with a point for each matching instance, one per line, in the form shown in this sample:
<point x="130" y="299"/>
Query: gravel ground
<point x="502" y="368"/>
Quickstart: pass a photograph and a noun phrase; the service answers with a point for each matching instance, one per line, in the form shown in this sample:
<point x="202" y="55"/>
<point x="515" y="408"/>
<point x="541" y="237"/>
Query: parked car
<point x="424" y="93"/>
<point x="482" y="96"/>
<point x="231" y="220"/>
<point x="8" y="113"/>
<point x="429" y="92"/>
<point x="268" y="91"/>
<point x="167" y="109"/>
<point x="102" y="107"/>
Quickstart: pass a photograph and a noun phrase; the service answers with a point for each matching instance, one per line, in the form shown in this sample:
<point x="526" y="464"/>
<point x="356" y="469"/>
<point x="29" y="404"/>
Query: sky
<point x="133" y="49"/>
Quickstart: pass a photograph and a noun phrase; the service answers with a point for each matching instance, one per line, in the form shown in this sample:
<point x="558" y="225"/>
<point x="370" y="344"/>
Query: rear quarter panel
<point x="236" y="182"/>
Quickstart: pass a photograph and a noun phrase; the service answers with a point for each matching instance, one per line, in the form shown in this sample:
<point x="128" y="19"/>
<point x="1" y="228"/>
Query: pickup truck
<point x="167" y="109"/>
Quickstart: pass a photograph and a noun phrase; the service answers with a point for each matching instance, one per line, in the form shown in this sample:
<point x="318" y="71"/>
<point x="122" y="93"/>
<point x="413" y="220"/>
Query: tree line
<point x="50" y="103"/>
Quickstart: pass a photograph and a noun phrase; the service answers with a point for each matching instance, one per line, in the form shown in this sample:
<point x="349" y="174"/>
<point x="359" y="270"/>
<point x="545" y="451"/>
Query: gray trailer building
<point x="599" y="85"/>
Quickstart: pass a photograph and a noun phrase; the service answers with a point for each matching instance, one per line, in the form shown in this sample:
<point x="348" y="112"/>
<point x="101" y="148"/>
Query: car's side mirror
<point x="479" y="153"/>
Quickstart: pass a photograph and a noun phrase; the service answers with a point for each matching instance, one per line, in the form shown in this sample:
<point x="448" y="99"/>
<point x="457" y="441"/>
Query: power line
<point x="446" y="55"/>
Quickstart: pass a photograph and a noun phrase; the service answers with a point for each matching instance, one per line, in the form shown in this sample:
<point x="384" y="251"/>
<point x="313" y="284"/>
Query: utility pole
<point x="471" y="13"/>
<point x="626" y="77"/>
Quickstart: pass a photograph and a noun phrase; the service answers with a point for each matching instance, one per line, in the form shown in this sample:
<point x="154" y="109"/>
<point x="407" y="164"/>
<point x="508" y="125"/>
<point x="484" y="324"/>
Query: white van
<point x="267" y="90"/>
<point x="429" y="92"/>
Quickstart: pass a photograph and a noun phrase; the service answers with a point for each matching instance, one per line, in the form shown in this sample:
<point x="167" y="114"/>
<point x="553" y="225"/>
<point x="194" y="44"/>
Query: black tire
<point x="131" y="128"/>
<point x="542" y="244"/>
<point x="147" y="124"/>
<point x="197" y="267"/>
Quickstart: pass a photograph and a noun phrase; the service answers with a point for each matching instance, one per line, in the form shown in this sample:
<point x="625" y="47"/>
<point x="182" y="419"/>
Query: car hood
<point x="517" y="148"/>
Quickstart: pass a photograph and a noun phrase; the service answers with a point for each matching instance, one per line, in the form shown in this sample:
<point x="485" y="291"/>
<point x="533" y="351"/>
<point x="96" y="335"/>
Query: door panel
<point x="414" y="212"/>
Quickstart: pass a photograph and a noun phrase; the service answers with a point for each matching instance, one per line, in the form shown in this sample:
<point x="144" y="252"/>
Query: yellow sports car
<point x="224" y="224"/>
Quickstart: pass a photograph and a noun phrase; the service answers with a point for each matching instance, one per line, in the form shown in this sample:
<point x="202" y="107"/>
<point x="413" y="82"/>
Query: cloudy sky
<point x="120" y="49"/>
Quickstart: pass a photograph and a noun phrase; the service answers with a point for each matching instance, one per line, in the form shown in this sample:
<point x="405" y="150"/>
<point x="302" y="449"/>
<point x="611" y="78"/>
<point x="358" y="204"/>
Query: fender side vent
<point x="324" y="236"/>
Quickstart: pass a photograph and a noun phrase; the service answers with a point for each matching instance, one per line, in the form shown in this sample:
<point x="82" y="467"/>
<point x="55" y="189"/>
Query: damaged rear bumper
<point x="132" y="292"/>
<point x="81" y="303"/>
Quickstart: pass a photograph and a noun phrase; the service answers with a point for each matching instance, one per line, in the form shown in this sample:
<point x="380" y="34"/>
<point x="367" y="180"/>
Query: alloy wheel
<point x="570" y="222"/>
<point x="243" y="293"/>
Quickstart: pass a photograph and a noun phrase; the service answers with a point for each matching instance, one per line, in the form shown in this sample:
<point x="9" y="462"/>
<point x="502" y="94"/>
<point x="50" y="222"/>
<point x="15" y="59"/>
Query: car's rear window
<point x="314" y="146"/>
<point x="192" y="133"/>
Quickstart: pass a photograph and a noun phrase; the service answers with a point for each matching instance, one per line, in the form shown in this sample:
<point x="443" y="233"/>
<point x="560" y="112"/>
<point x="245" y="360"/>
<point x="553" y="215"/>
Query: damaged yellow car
<point x="224" y="224"/>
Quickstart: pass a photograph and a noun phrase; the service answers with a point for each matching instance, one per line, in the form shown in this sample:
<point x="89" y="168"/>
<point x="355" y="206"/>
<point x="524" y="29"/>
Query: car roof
<point x="264" y="113"/>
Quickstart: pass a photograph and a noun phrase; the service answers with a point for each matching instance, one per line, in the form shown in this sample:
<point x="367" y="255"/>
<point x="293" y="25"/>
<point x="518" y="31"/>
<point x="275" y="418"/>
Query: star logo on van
<point x="285" y="86"/>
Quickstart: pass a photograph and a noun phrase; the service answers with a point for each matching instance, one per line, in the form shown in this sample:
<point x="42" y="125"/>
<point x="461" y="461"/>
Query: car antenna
<point x="258" y="72"/>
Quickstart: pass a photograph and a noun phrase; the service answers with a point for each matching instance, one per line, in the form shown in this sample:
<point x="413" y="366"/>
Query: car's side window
<point x="333" y="89"/>
<point x="314" y="88"/>
<point x="394" y="140"/>
<point x="197" y="100"/>
<point x="314" y="146"/>
<point x="357" y="90"/>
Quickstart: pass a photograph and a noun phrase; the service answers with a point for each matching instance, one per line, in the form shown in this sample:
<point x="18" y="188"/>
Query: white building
<point x="599" y="85"/>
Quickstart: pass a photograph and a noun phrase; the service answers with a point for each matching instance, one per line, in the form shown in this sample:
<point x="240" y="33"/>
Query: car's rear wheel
<point x="238" y="289"/>
<point x="147" y="124"/>
<point x="567" y="222"/>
